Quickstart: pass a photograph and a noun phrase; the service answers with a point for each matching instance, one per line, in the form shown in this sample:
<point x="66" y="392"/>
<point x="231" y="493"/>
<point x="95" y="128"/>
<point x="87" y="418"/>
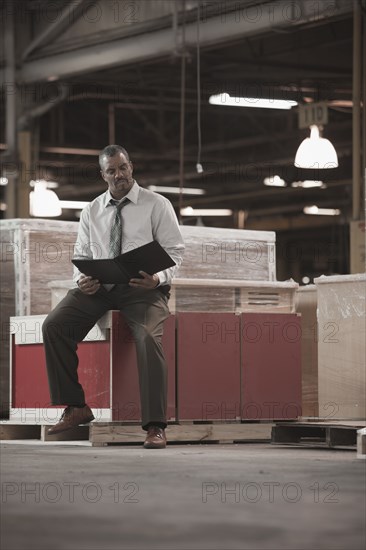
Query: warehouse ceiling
<point x="114" y="73"/>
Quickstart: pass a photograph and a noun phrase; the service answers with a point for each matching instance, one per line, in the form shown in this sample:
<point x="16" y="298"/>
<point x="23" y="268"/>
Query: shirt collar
<point x="132" y="195"/>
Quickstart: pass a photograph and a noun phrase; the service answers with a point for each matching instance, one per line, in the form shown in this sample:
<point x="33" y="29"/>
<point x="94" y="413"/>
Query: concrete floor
<point x="254" y="496"/>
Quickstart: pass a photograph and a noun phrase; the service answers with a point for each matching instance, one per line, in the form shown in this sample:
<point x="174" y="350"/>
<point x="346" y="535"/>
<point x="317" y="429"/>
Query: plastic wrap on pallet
<point x="228" y="254"/>
<point x="37" y="252"/>
<point x="306" y="305"/>
<point x="342" y="346"/>
<point x="233" y="296"/>
<point x="217" y="295"/>
<point x="33" y="253"/>
<point x="217" y="255"/>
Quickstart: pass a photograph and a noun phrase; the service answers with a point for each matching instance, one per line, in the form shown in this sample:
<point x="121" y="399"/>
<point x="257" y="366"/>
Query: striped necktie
<point x="115" y="242"/>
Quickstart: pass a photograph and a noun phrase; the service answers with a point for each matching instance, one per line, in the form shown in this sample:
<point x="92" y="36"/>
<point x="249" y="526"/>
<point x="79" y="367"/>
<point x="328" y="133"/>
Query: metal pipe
<point x="111" y="124"/>
<point x="182" y="115"/>
<point x="175" y="27"/>
<point x="363" y="138"/>
<point x="356" y="113"/>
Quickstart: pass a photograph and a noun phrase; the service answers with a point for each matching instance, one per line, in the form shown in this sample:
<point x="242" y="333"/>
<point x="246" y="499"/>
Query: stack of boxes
<point x="233" y="341"/>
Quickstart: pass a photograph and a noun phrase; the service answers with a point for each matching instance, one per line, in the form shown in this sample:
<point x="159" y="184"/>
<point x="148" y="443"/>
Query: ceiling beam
<point x="262" y="192"/>
<point x="173" y="154"/>
<point x="72" y="10"/>
<point x="227" y="27"/>
<point x="291" y="223"/>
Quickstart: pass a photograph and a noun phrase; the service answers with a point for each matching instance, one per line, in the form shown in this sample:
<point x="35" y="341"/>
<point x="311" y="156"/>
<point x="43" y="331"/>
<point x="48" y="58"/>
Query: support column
<point x="9" y="160"/>
<point x="356" y="112"/>
<point x="357" y="225"/>
<point x="25" y="160"/>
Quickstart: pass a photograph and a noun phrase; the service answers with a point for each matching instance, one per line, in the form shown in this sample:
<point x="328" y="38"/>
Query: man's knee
<point x="57" y="326"/>
<point x="51" y="327"/>
<point x="145" y="334"/>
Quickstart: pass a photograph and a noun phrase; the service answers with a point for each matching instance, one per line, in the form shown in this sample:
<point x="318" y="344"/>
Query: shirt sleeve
<point x="82" y="249"/>
<point x="166" y="231"/>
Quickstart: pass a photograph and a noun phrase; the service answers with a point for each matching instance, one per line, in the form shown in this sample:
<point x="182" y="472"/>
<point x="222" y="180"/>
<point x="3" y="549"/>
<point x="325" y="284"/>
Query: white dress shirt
<point x="147" y="217"/>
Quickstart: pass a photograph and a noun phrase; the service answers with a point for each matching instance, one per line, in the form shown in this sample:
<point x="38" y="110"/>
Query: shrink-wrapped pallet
<point x="217" y="295"/>
<point x="306" y="304"/>
<point x="342" y="349"/>
<point x="216" y="254"/>
<point x="233" y="296"/>
<point x="36" y="253"/>
<point x="213" y="252"/>
<point x="33" y="252"/>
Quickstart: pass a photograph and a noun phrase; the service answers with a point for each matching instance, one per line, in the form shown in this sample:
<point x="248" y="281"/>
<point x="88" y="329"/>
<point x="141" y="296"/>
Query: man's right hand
<point x="88" y="285"/>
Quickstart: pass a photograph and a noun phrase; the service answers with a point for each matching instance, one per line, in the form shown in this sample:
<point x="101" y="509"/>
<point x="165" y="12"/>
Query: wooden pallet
<point x="106" y="433"/>
<point x="13" y="430"/>
<point x="335" y="434"/>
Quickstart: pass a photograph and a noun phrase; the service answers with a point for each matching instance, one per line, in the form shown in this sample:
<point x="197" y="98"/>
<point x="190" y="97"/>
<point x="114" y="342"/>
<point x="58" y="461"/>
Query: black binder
<point x="150" y="258"/>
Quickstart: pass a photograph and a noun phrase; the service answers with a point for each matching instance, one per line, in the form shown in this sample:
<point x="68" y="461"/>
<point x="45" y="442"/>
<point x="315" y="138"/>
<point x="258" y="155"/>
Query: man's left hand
<point x="147" y="281"/>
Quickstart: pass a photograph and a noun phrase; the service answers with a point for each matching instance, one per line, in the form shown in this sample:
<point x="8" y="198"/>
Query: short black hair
<point x="111" y="151"/>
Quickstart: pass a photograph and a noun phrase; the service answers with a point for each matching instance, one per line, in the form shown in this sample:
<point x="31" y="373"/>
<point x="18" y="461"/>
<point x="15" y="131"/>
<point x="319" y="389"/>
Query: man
<point x="124" y="217"/>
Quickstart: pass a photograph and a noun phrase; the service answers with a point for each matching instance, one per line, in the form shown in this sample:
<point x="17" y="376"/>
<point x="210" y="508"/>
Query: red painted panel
<point x="29" y="378"/>
<point x="208" y="366"/>
<point x="271" y="366"/>
<point x="126" y="391"/>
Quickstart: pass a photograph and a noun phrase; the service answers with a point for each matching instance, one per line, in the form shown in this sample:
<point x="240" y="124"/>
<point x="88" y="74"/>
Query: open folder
<point x="150" y="258"/>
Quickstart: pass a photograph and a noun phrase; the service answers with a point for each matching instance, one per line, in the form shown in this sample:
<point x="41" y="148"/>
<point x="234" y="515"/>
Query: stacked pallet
<point x="342" y="346"/>
<point x="33" y="253"/>
<point x="224" y="271"/>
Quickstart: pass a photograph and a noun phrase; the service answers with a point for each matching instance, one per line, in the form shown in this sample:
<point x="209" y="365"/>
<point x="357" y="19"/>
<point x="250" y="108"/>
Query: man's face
<point x="117" y="173"/>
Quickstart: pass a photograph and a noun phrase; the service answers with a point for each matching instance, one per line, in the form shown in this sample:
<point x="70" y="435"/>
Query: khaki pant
<point x="145" y="312"/>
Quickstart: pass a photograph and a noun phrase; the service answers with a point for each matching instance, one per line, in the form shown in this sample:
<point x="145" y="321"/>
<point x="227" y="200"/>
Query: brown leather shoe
<point x="71" y="417"/>
<point x="155" y="438"/>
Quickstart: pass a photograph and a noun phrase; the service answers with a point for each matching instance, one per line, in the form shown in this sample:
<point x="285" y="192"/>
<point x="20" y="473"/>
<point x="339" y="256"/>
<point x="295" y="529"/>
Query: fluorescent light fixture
<point x="3" y="206"/>
<point x="308" y="184"/>
<point x="315" y="210"/>
<point x="316" y="152"/>
<point x="189" y="211"/>
<point x="256" y="102"/>
<point x="73" y="205"/>
<point x="4" y="181"/>
<point x="274" y="181"/>
<point x="176" y="190"/>
<point x="43" y="203"/>
<point x="50" y="184"/>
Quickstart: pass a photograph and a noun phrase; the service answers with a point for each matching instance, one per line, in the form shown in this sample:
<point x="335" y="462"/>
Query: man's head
<point x="116" y="170"/>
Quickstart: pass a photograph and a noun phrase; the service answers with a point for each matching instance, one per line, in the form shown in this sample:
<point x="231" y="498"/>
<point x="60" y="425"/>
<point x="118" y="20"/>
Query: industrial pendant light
<point x="316" y="152"/>
<point x="43" y="202"/>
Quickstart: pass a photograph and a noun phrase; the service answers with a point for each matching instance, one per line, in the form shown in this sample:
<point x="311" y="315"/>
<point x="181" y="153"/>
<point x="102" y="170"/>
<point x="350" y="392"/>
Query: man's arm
<point x="82" y="249"/>
<point x="166" y="231"/>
